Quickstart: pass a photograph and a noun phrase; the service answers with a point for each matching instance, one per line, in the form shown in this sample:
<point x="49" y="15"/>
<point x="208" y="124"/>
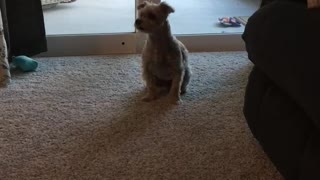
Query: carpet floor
<point x="82" y="118"/>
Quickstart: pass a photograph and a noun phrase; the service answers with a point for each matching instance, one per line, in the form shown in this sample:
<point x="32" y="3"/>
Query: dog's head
<point x="152" y="16"/>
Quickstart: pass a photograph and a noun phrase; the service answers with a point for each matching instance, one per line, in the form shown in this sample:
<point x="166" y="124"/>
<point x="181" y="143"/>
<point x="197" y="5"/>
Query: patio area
<point x="117" y="16"/>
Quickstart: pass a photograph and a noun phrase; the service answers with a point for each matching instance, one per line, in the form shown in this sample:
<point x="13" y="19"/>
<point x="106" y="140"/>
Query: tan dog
<point x="164" y="58"/>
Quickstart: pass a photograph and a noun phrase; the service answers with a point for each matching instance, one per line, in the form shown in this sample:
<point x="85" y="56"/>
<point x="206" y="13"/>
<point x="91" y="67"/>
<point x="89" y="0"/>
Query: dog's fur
<point x="164" y="58"/>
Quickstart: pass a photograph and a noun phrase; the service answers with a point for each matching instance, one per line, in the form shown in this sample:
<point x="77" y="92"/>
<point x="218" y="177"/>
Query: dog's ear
<point x="166" y="8"/>
<point x="142" y="5"/>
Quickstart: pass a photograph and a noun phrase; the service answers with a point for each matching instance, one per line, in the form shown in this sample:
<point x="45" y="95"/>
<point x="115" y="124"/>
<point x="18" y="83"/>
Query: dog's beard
<point x="140" y="28"/>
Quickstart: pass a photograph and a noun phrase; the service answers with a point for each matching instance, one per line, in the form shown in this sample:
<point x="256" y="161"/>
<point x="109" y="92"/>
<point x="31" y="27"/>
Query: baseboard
<point x="131" y="43"/>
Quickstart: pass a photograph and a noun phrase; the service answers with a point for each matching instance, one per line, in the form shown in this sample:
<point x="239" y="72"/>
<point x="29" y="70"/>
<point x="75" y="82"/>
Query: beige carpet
<point x="82" y="118"/>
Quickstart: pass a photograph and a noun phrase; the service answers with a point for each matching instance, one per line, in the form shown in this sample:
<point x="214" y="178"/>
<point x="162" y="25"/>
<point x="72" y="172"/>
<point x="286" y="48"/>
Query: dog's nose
<point x="138" y="22"/>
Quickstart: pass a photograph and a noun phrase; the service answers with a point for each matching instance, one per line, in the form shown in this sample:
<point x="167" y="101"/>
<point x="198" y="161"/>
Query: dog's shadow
<point x="128" y="124"/>
<point x="133" y="120"/>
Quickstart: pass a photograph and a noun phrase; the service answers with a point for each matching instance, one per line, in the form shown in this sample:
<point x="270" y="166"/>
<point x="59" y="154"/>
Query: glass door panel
<point x="83" y="17"/>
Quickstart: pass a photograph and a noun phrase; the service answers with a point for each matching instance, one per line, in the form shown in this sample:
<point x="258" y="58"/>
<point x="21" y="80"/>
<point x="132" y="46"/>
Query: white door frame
<point x="131" y="43"/>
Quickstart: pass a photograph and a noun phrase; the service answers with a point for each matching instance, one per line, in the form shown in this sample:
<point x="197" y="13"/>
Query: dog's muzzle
<point x="138" y="22"/>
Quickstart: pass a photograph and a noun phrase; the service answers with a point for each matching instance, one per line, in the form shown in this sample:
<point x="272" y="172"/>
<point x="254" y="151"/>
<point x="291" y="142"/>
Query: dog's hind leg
<point x="175" y="88"/>
<point x="186" y="80"/>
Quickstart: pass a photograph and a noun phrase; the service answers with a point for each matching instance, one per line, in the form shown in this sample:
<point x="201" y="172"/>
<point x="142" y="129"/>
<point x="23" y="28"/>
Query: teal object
<point x="25" y="63"/>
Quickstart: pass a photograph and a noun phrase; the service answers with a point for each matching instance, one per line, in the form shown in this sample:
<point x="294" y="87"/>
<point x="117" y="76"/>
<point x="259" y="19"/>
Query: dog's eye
<point x="140" y="6"/>
<point x="152" y="16"/>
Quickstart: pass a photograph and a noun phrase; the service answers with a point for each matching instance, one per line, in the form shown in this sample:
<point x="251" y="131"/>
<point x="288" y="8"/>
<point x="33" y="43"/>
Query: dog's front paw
<point x="183" y="91"/>
<point x="148" y="98"/>
<point x="174" y="100"/>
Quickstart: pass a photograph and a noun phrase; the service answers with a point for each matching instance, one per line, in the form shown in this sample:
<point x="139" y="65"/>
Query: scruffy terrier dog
<point x="164" y="58"/>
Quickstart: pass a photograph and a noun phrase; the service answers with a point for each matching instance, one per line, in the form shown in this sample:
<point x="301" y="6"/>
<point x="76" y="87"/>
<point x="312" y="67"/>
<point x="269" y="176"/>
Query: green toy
<point x="25" y="63"/>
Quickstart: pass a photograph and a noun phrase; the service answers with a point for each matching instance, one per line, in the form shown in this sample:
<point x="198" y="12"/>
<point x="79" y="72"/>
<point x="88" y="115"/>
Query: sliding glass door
<point x="83" y="17"/>
<point x="96" y="27"/>
<point x="89" y="27"/>
<point x="202" y="17"/>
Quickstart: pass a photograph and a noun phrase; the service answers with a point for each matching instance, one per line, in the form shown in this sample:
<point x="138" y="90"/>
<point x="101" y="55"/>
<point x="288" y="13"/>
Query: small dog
<point x="164" y="58"/>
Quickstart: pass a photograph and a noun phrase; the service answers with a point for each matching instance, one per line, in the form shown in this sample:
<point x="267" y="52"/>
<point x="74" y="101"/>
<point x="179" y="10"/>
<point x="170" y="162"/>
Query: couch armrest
<point x="283" y="40"/>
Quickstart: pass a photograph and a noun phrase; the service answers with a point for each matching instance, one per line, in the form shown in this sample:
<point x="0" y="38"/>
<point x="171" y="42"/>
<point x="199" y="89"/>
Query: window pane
<point x="201" y="16"/>
<point x="88" y="16"/>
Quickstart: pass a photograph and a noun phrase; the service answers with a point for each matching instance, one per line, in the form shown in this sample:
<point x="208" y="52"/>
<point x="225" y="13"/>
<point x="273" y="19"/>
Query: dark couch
<point x="282" y="101"/>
